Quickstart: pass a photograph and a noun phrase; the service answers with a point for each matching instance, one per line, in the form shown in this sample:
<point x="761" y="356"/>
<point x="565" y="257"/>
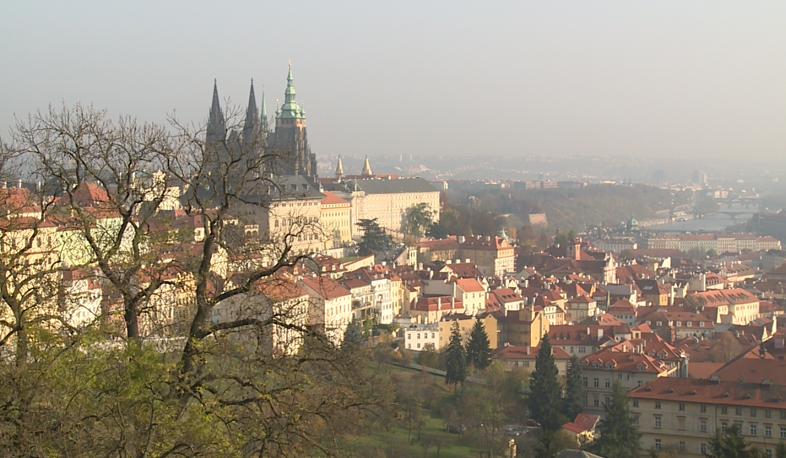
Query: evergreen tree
<point x="353" y="337"/>
<point x="619" y="438"/>
<point x="573" y="389"/>
<point x="455" y="358"/>
<point x="544" y="397"/>
<point x="478" y="347"/>
<point x="374" y="237"/>
<point x="730" y="444"/>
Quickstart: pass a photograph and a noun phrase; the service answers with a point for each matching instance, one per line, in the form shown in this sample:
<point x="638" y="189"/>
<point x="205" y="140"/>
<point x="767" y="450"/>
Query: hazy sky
<point x="425" y="77"/>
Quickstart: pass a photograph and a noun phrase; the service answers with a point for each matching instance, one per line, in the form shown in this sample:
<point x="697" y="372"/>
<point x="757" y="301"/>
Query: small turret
<point x="339" y="169"/>
<point x="367" y="169"/>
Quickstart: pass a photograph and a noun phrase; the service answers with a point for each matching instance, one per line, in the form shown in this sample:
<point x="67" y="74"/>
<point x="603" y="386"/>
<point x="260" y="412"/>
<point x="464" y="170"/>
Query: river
<point x="712" y="223"/>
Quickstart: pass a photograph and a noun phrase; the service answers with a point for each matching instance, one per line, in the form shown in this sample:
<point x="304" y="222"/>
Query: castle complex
<point x="289" y="140"/>
<point x="385" y="197"/>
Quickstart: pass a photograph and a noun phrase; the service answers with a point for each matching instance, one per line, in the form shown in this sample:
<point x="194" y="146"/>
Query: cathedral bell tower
<point x="290" y="139"/>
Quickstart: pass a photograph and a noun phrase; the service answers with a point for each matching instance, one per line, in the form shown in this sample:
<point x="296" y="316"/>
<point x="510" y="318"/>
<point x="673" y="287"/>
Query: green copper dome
<point x="290" y="108"/>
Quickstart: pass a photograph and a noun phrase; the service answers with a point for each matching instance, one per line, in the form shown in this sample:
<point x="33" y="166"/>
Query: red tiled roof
<point x="326" y="287"/>
<point x="432" y="304"/>
<point x="622" y="306"/>
<point x="611" y="360"/>
<point x="746" y="394"/>
<point x="331" y="199"/>
<point x="469" y="285"/>
<point x="520" y="352"/>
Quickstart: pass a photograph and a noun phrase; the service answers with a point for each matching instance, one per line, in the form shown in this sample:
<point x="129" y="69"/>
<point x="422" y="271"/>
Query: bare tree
<point x="247" y="373"/>
<point x="99" y="172"/>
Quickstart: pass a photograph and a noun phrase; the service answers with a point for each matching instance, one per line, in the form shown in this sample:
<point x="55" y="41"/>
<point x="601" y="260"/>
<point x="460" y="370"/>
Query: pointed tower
<point x="263" y="118"/>
<point x="290" y="140"/>
<point x="339" y="169"/>
<point x="367" y="169"/>
<point x="251" y="129"/>
<point x="216" y="127"/>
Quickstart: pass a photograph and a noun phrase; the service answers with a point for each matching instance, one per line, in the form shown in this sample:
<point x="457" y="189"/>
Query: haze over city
<point x="665" y="79"/>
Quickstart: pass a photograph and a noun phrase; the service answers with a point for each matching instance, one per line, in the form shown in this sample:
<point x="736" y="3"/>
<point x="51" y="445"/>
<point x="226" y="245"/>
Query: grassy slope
<point x="453" y="445"/>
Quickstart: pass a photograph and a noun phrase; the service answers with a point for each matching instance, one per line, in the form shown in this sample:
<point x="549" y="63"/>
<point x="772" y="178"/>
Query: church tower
<point x="339" y="169"/>
<point x="216" y="126"/>
<point x="251" y="126"/>
<point x="367" y="169"/>
<point x="290" y="139"/>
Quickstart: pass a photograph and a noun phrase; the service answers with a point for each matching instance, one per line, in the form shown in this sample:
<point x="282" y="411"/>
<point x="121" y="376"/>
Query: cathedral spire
<point x="339" y="169"/>
<point x="367" y="169"/>
<point x="290" y="108"/>
<point x="263" y="117"/>
<point x="251" y="124"/>
<point x="216" y="127"/>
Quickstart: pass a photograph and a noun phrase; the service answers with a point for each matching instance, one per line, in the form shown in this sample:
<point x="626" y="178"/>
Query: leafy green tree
<point x="478" y="347"/>
<point x="428" y="356"/>
<point x="552" y="442"/>
<point x="573" y="389"/>
<point x="544" y="397"/>
<point x="730" y="444"/>
<point x="491" y="404"/>
<point x="455" y="359"/>
<point x="374" y="237"/>
<point x="418" y="219"/>
<point x="780" y="450"/>
<point x="619" y="438"/>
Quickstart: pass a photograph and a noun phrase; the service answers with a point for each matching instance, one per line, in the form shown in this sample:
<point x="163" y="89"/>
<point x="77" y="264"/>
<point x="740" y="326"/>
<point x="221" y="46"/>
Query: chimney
<point x="528" y="349"/>
<point x="467" y="261"/>
<point x="462" y="239"/>
<point x="600" y="333"/>
<point x="420" y="266"/>
<point x="488" y="237"/>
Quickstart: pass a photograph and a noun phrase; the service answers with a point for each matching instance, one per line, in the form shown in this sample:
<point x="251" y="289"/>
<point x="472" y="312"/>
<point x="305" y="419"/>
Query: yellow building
<point x="515" y="357"/>
<point x="387" y="200"/>
<point x="682" y="414"/>
<point x="466" y="322"/>
<point x="523" y="327"/>
<point x="335" y="220"/>
<point x="493" y="255"/>
<point x="293" y="214"/>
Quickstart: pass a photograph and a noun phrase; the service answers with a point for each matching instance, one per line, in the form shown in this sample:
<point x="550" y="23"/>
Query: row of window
<point x="688" y="324"/>
<point x="607" y="384"/>
<point x="739" y="411"/>
<point x="682" y="447"/>
<point x="753" y="428"/>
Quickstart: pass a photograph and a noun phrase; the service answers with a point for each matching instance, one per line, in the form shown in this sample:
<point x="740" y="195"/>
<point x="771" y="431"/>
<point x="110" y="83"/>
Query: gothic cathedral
<point x="289" y="140"/>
